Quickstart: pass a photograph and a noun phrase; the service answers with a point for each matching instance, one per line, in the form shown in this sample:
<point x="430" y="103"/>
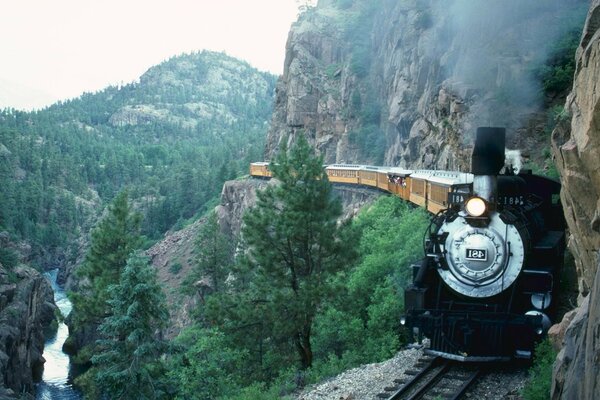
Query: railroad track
<point x="433" y="378"/>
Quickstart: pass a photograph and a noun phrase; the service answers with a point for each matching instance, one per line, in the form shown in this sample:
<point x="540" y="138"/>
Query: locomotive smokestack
<point x="487" y="161"/>
<point x="488" y="153"/>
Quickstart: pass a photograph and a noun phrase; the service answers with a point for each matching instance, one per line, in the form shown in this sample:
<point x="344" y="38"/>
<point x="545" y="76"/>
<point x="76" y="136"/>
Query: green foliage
<point x="547" y="167"/>
<point x="557" y="73"/>
<point x="294" y="249"/>
<point x="55" y="162"/>
<point x="332" y="69"/>
<point x="8" y="258"/>
<point x="540" y="374"/>
<point x="205" y="366"/>
<point x="369" y="304"/>
<point x="555" y="115"/>
<point x="175" y="268"/>
<point x="353" y="311"/>
<point x="214" y="255"/>
<point x="113" y="240"/>
<point x="127" y="363"/>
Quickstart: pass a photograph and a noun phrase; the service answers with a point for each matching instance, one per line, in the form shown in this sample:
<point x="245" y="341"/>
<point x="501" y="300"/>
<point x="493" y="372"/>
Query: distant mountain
<point x="171" y="139"/>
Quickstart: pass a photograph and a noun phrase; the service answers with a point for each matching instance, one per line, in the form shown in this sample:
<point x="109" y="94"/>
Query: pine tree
<point x="113" y="240"/>
<point x="294" y="246"/>
<point x="127" y="364"/>
<point x="214" y="258"/>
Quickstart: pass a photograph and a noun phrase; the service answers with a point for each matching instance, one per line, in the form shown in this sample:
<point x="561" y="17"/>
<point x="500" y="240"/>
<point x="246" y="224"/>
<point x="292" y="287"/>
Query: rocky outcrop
<point x="236" y="198"/>
<point x="577" y="151"/>
<point x="26" y="307"/>
<point x="191" y="89"/>
<point x="406" y="83"/>
<point x="174" y="256"/>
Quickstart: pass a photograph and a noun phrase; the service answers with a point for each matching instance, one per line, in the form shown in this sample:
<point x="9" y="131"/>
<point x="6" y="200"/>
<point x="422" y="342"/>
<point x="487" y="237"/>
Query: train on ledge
<point x="486" y="287"/>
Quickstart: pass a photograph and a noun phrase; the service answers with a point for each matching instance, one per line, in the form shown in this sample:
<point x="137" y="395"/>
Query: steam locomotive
<point x="486" y="286"/>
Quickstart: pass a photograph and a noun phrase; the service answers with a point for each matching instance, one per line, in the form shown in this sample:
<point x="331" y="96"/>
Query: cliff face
<point x="577" y="153"/>
<point x="406" y="83"/>
<point x="26" y="307"/>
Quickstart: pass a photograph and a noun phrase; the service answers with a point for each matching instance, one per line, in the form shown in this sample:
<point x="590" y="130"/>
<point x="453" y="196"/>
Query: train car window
<point x="418" y="187"/>
<point x="439" y="194"/>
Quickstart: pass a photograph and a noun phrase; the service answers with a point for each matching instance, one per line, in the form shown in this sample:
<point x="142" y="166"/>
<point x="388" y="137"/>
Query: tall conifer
<point x="294" y="245"/>
<point x="113" y="240"/>
<point x="127" y="365"/>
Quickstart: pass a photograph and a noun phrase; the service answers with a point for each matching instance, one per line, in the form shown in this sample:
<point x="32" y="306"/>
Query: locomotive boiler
<point x="486" y="287"/>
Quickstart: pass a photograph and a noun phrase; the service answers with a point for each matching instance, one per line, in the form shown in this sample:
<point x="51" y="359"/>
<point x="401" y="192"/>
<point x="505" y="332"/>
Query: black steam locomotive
<point x="486" y="287"/>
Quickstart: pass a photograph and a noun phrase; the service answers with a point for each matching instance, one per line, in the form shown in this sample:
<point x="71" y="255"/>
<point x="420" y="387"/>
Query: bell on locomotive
<point x="485" y="287"/>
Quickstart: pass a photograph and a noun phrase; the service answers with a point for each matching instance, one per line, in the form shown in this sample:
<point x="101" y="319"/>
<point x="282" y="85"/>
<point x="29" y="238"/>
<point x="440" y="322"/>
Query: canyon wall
<point x="406" y="83"/>
<point x="576" y="148"/>
<point x="26" y="307"/>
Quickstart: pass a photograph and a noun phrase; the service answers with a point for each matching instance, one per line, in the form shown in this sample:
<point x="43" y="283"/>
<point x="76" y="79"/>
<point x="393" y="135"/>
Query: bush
<point x="8" y="258"/>
<point x="557" y="73"/>
<point x="540" y="374"/>
<point x="175" y="268"/>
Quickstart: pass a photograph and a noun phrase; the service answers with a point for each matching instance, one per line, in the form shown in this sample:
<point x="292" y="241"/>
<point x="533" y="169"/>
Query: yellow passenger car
<point x="260" y="169"/>
<point x="383" y="181"/>
<point x="343" y="173"/>
<point x="367" y="175"/>
<point x="398" y="182"/>
<point x="417" y="183"/>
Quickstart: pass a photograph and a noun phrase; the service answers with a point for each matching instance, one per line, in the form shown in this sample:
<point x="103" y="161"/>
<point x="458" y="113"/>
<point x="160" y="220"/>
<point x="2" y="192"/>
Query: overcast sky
<point x="57" y="49"/>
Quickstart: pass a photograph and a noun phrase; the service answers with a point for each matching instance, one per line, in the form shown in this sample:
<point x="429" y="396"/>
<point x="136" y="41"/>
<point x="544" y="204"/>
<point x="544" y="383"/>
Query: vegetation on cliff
<point x="314" y="287"/>
<point x="172" y="138"/>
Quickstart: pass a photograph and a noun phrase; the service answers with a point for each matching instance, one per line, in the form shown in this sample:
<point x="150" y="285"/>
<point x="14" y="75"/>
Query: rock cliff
<point x="26" y="307"/>
<point x="576" y="148"/>
<point x="406" y="83"/>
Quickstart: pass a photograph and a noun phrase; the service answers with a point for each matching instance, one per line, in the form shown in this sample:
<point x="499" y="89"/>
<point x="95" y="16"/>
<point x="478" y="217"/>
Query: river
<point x="56" y="383"/>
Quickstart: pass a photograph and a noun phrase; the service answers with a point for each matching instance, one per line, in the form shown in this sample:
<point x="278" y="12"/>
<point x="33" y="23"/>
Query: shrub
<point x="8" y="258"/>
<point x="175" y="268"/>
<point x="540" y="374"/>
<point x="556" y="74"/>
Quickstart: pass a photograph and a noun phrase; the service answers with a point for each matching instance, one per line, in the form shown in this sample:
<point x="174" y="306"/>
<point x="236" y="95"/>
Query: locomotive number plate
<point x="476" y="255"/>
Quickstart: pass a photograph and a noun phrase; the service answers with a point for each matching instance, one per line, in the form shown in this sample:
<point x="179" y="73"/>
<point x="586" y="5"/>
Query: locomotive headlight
<point x="475" y="206"/>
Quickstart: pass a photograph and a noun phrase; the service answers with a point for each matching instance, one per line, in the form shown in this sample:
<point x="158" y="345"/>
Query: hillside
<point x="171" y="139"/>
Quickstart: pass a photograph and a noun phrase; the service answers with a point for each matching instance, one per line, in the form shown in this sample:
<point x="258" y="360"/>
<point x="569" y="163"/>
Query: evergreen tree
<point x="113" y="240"/>
<point x="128" y="365"/>
<point x="214" y="255"/>
<point x="295" y="247"/>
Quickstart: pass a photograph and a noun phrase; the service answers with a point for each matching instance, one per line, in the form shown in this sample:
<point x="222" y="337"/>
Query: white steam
<point x="513" y="159"/>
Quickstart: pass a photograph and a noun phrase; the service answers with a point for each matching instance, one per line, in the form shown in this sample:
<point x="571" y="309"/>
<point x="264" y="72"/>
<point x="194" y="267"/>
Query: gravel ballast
<point x="365" y="382"/>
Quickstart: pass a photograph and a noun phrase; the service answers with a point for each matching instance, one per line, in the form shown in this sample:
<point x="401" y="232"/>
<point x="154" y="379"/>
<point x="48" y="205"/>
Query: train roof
<point x="399" y="171"/>
<point x="373" y="168"/>
<point x="423" y="174"/>
<point x="343" y="166"/>
<point x="450" y="177"/>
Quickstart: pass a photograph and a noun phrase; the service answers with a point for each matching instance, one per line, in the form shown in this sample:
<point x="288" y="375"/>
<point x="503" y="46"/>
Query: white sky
<point x="58" y="49"/>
